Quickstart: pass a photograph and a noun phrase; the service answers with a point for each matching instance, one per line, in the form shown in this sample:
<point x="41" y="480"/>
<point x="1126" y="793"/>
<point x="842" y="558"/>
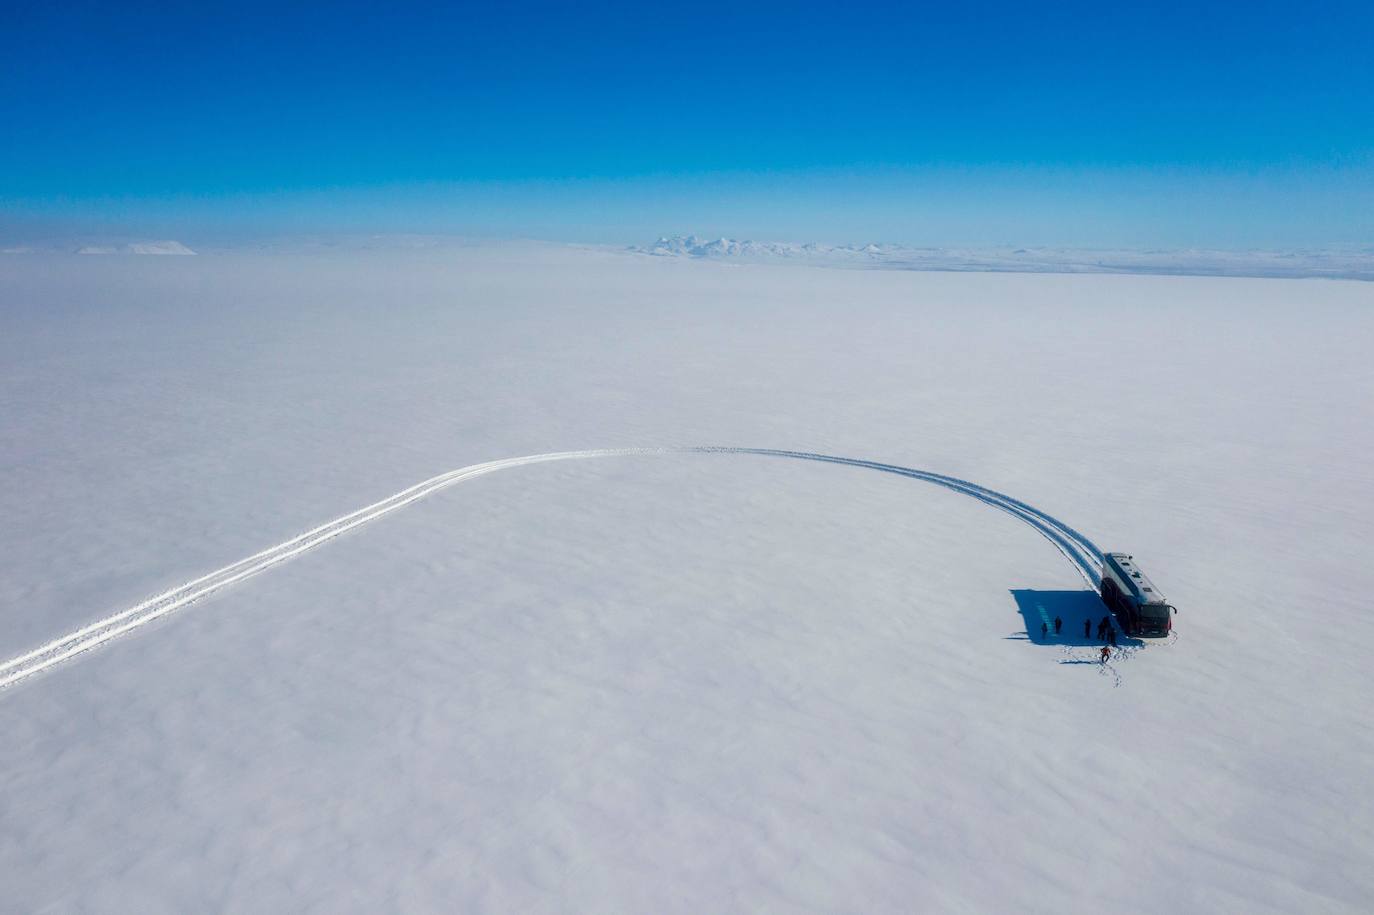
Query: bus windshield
<point x="1155" y="611"/>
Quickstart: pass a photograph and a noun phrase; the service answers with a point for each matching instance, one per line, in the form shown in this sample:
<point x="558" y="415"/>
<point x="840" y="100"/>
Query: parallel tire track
<point x="1081" y="552"/>
<point x="1078" y="549"/>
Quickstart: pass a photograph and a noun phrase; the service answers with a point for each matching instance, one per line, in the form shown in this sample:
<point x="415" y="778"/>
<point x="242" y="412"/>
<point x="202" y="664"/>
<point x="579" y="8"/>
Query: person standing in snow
<point x="1058" y="624"/>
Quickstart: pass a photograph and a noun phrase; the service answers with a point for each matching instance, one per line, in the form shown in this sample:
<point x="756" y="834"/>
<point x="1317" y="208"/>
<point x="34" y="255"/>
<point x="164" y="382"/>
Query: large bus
<point x="1137" y="603"/>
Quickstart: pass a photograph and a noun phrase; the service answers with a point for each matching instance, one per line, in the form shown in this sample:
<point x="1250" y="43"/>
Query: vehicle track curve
<point x="1079" y="550"/>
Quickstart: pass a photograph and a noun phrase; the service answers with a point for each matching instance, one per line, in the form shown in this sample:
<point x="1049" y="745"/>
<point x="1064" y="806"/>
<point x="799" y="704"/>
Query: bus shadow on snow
<point x="1039" y="608"/>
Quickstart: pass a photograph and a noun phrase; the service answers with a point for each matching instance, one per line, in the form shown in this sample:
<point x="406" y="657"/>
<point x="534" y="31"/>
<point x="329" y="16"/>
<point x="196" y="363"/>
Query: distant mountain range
<point x="692" y="246"/>
<point x="1348" y="262"/>
<point x="138" y="247"/>
<point x="101" y="247"/>
<point x="1337" y="263"/>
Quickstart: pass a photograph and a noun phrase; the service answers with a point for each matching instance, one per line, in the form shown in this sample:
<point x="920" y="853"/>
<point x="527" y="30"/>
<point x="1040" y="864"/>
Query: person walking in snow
<point x="1087" y="628"/>
<point x="1106" y="654"/>
<point x="1058" y="624"/>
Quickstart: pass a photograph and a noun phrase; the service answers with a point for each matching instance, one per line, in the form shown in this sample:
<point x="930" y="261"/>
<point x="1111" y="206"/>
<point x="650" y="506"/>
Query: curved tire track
<point x="1081" y="552"/>
<point x="1078" y="549"/>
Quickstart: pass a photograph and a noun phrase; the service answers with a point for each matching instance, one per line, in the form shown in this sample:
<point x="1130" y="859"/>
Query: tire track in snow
<point x="1085" y="556"/>
<point x="1081" y="552"/>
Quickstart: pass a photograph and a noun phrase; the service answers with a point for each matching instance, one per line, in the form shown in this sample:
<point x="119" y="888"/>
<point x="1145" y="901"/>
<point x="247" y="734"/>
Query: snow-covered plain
<point x="680" y="682"/>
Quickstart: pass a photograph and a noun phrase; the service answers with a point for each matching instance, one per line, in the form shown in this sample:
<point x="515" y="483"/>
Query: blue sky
<point x="1223" y="124"/>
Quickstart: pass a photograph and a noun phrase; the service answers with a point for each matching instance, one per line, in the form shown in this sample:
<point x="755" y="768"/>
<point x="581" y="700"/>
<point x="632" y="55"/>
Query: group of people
<point x="1106" y="632"/>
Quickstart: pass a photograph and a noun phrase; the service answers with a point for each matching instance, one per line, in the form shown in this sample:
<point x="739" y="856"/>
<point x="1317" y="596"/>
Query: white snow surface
<point x="680" y="681"/>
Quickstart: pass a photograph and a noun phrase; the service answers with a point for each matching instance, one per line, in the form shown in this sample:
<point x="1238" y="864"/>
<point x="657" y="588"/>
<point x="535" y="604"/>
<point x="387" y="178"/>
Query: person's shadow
<point x="1039" y="608"/>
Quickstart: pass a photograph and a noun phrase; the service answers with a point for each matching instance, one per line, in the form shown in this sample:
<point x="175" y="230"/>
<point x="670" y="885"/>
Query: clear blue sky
<point x="1222" y="123"/>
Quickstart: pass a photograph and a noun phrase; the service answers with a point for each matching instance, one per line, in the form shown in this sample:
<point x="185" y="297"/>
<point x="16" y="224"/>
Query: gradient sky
<point x="1221" y="124"/>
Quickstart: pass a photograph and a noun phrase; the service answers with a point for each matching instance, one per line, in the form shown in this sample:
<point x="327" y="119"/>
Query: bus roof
<point x="1143" y="589"/>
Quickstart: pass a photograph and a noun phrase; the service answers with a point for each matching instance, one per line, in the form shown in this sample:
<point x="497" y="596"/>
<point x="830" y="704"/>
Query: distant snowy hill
<point x="692" y="246"/>
<point x="137" y="247"/>
<point x="1344" y="263"/>
<point x="158" y="247"/>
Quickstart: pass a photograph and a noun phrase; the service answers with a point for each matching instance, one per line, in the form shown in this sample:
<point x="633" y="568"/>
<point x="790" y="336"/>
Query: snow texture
<point x="680" y="681"/>
<point x="1078" y="550"/>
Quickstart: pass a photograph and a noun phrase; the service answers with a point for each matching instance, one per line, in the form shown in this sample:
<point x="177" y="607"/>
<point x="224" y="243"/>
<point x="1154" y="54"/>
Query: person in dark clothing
<point x="1087" y="629"/>
<point x="1044" y="630"/>
<point x="1106" y="653"/>
<point x="1111" y="637"/>
<point x="1058" y="624"/>
<point x="1101" y="632"/>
